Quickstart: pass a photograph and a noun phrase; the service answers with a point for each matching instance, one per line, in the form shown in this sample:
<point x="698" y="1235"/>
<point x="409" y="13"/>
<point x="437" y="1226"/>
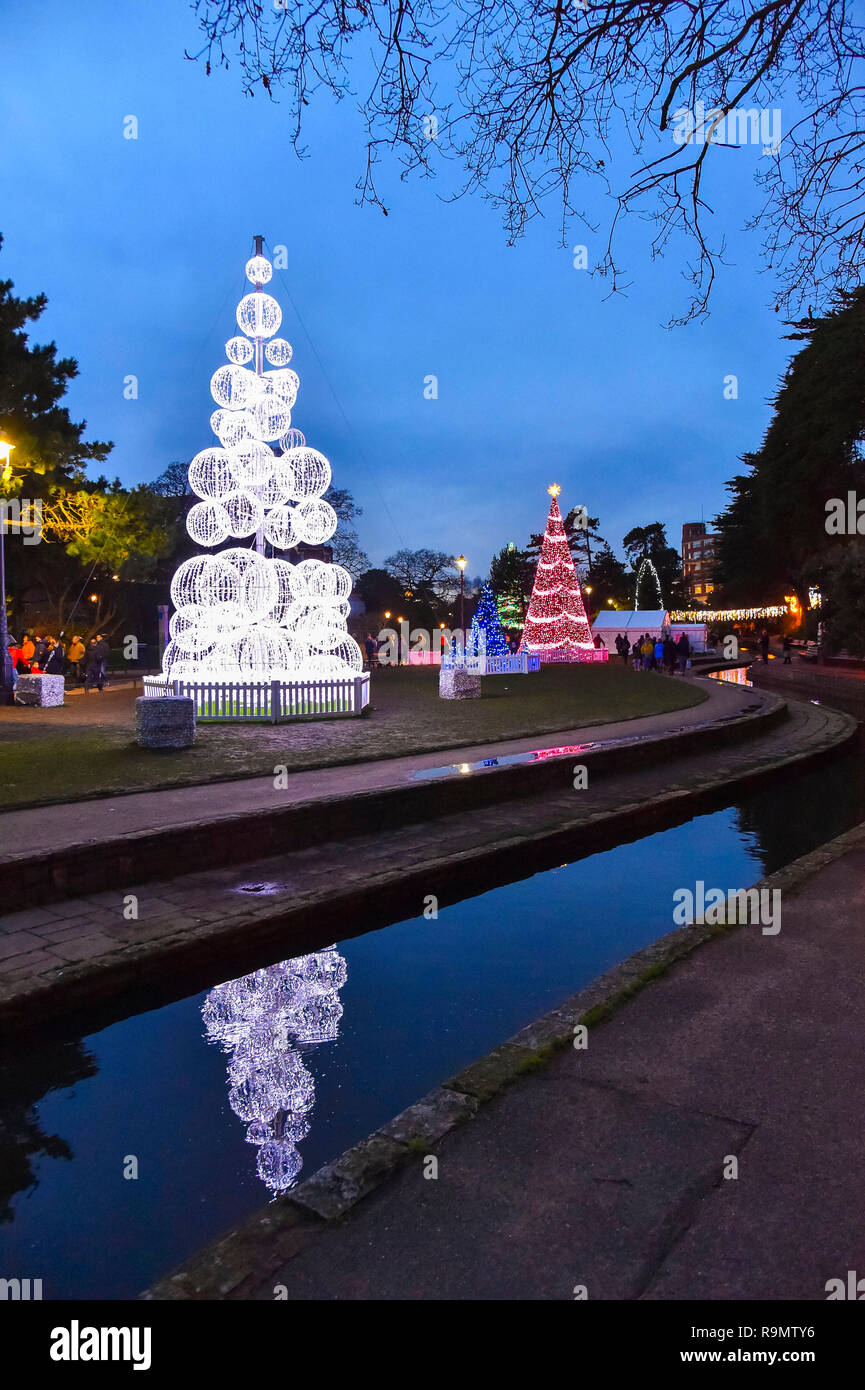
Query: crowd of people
<point x="80" y="662"/>
<point x="656" y="653"/>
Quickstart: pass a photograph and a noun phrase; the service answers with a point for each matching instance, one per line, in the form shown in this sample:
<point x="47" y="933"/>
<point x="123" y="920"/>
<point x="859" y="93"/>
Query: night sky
<point x="140" y="247"/>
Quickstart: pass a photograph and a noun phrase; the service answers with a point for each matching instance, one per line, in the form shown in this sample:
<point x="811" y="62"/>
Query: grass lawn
<point x="87" y="747"/>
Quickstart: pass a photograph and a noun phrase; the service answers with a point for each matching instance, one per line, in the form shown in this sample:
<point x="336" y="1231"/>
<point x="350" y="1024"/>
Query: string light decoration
<point x="556" y="627"/>
<point x="244" y="613"/>
<point x="486" y="636"/>
<point x="261" y="1021"/>
<point x="727" y="615"/>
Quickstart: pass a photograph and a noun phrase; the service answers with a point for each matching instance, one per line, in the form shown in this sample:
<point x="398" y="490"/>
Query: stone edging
<point x="239" y="1263"/>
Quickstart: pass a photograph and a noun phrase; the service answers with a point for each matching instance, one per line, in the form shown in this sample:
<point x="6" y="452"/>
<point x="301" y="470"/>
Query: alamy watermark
<point x="713" y="907"/>
<point x="23" y="515"/>
<point x="737" y="127"/>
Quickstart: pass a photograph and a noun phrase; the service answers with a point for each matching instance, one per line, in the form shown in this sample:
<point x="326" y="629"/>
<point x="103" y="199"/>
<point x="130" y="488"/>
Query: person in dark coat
<point x="55" y="663"/>
<point x="93" y="668"/>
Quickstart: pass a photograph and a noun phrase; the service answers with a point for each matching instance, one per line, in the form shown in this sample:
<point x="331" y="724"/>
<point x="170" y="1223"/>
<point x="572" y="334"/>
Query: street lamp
<point x="7" y="695"/>
<point x="461" y="563"/>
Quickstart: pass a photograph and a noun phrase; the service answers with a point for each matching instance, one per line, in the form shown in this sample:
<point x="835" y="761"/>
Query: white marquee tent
<point x="634" y="622"/>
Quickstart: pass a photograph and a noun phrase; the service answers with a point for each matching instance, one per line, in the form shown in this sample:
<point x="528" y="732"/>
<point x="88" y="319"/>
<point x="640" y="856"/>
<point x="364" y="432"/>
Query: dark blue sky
<point x="140" y="247"/>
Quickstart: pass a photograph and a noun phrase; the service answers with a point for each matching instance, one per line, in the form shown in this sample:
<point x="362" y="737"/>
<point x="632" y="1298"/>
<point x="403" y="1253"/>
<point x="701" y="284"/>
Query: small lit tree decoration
<point x="262" y="1020"/>
<point x="556" y="626"/>
<point x="243" y="613"/>
<point x="486" y="636"/>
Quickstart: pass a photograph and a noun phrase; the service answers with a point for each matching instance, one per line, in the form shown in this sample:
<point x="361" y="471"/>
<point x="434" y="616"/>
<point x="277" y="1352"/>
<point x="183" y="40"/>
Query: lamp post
<point x="7" y="696"/>
<point x="461" y="563"/>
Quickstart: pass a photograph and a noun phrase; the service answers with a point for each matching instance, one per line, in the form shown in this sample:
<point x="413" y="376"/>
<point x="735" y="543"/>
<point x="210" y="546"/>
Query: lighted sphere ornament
<point x="260" y="590"/>
<point x="280" y="529"/>
<point x="239" y="350"/>
<point x="279" y="611"/>
<point x="278" y="352"/>
<point x="231" y="427"/>
<point x="208" y="523"/>
<point x="219" y="583"/>
<point x="283" y="383"/>
<point x="184" y="585"/>
<point x="275" y="491"/>
<point x="210" y="474"/>
<point x="270" y="418"/>
<point x="316" y="521"/>
<point x="234" y="388"/>
<point x="243" y="613"/>
<point x="259" y="315"/>
<point x="308" y="470"/>
<point x="252" y="463"/>
<point x="258" y="270"/>
<point x="245" y="513"/>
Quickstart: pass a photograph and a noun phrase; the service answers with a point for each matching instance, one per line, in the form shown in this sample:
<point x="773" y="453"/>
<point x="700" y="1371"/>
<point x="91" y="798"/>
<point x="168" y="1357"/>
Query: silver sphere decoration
<point x="258" y="270"/>
<point x="258" y="315"/>
<point x="279" y="352"/>
<point x="239" y="350"/>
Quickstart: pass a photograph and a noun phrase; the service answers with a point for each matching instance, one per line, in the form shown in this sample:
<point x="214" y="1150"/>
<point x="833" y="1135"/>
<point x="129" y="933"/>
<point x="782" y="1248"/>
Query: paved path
<point x="612" y="1168"/>
<point x="87" y="823"/>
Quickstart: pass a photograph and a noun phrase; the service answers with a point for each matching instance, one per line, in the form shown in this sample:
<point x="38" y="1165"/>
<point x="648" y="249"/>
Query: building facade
<point x="698" y="562"/>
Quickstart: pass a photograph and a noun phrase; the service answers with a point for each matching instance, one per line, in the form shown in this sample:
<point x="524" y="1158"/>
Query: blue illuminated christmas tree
<point x="486" y="636"/>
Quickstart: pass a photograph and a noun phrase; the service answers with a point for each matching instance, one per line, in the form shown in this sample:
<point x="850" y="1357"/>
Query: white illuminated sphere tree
<point x="241" y="612"/>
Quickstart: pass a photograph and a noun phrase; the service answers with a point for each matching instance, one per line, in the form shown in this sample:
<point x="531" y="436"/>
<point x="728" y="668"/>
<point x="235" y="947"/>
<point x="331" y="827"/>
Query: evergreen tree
<point x="485" y="637"/>
<point x="556" y="625"/>
<point x="775" y="521"/>
<point x="48" y="446"/>
<point x="511" y="581"/>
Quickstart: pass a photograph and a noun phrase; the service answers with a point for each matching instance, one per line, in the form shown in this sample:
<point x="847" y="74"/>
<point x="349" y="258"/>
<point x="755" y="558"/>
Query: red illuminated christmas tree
<point x="556" y="625"/>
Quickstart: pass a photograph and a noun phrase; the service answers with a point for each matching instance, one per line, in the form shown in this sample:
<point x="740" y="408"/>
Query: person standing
<point x="55" y="662"/>
<point x="92" y="668"/>
<point x="638" y="653"/>
<point x="103" y="654"/>
<point x="75" y="655"/>
<point x="28" y="647"/>
<point x="764" y="647"/>
<point x="787" y="644"/>
<point x="626" y="648"/>
<point x="40" y="651"/>
<point x="371" y="649"/>
<point x="684" y="652"/>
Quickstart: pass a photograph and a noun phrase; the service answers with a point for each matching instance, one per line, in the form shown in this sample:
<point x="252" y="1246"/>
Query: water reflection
<point x="26" y="1078"/>
<point x="261" y="1020"/>
<point x="734" y="675"/>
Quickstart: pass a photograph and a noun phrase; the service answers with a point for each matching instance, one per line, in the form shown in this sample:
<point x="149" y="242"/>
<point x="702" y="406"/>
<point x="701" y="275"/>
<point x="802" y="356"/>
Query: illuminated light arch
<point x="646" y="564"/>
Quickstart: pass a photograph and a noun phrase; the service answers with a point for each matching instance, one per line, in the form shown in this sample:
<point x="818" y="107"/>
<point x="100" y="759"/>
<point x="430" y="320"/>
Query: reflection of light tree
<point x="257" y="1019"/>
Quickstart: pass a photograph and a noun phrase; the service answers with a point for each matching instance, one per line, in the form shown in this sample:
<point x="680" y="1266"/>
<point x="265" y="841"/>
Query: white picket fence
<point x="273" y="702"/>
<point x="521" y="663"/>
